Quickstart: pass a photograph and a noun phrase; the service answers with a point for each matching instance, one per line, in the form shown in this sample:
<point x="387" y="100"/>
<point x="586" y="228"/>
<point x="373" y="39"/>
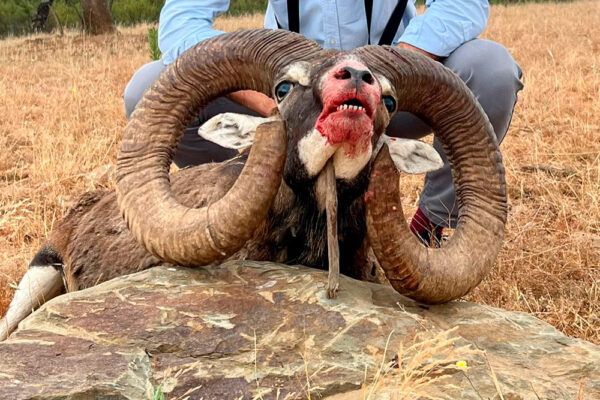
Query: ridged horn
<point x="214" y="67"/>
<point x="432" y="92"/>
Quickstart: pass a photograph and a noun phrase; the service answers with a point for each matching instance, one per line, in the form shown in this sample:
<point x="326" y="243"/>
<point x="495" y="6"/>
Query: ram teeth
<point x="348" y="107"/>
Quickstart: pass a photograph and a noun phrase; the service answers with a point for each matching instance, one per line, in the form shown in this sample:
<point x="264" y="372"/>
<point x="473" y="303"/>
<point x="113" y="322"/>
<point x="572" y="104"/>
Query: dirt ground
<point x="63" y="117"/>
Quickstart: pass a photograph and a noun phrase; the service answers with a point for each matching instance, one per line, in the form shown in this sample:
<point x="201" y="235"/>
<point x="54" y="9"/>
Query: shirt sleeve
<point x="446" y="24"/>
<point x="184" y="23"/>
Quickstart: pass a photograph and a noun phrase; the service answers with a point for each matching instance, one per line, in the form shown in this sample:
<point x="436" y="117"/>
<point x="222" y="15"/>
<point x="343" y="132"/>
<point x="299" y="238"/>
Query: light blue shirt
<point x="333" y="24"/>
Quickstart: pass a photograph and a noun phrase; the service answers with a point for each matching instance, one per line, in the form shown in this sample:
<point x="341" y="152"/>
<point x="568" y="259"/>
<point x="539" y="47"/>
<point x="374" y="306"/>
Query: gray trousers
<point x="486" y="67"/>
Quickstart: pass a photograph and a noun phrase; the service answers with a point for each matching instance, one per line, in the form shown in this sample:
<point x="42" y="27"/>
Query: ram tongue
<point x="333" y="249"/>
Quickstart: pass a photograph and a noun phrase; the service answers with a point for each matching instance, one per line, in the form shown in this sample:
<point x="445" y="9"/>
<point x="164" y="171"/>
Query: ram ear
<point x="231" y="130"/>
<point x="413" y="156"/>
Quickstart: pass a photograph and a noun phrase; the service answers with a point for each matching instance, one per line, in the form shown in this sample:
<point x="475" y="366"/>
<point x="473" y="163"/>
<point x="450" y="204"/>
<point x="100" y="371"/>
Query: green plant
<point x="155" y="52"/>
<point x="158" y="393"/>
<point x="238" y="7"/>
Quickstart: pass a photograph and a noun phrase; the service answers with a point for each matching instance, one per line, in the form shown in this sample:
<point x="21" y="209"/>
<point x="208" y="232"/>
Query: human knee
<point x="130" y="101"/>
<point x="493" y="76"/>
<point x="140" y="81"/>
<point x="487" y="68"/>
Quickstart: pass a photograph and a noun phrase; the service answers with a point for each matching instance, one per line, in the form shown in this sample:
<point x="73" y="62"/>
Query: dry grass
<point x="550" y="265"/>
<point x="419" y="367"/>
<point x="62" y="119"/>
<point x="411" y="372"/>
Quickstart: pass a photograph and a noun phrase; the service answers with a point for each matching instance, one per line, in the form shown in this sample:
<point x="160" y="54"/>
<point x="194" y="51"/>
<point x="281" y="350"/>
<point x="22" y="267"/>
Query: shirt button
<point x="332" y="41"/>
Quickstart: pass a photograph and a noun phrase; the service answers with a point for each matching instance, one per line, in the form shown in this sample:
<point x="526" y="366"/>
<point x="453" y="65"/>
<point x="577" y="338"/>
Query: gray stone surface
<point x="243" y="328"/>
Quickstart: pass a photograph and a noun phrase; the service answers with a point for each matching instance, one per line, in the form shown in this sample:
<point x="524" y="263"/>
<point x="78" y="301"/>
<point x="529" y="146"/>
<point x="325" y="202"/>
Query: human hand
<point x="418" y="50"/>
<point x="255" y="101"/>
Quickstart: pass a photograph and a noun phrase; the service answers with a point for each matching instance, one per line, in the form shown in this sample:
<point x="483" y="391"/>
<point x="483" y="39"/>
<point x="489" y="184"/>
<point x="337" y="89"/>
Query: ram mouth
<point x="349" y="104"/>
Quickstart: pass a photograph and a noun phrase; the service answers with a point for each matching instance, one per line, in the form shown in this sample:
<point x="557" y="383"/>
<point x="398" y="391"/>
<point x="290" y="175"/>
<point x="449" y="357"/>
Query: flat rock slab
<point x="247" y="330"/>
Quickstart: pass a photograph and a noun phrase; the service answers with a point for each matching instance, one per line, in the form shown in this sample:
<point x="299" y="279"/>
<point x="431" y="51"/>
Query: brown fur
<point x="96" y="245"/>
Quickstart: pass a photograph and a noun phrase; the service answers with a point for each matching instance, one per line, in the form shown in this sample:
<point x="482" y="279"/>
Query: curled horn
<point x="432" y="92"/>
<point x="167" y="229"/>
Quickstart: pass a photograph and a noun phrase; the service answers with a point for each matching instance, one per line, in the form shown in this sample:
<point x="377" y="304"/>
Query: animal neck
<point x="297" y="227"/>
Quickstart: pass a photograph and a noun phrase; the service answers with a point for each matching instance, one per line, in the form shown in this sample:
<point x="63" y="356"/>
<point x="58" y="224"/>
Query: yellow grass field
<point x="61" y="119"/>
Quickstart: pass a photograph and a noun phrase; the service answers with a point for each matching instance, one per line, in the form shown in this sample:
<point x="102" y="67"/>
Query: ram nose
<point x="350" y="85"/>
<point x="357" y="75"/>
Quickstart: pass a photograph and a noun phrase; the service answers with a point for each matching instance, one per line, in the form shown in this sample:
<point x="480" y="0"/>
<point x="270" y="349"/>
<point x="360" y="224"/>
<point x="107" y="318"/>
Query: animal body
<point x="268" y="203"/>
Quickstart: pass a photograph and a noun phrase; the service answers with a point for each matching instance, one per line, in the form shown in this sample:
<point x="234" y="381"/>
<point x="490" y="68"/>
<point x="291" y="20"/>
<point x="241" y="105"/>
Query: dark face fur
<point x="334" y="109"/>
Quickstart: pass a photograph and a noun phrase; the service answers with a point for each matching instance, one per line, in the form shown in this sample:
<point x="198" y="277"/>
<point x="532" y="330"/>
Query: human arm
<point x="413" y="48"/>
<point x="184" y="23"/>
<point x="445" y="25"/>
<point x="255" y="101"/>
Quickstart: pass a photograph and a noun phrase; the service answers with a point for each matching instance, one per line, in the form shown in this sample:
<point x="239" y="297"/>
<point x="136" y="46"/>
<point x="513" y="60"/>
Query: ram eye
<point x="283" y="89"/>
<point x="390" y="103"/>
